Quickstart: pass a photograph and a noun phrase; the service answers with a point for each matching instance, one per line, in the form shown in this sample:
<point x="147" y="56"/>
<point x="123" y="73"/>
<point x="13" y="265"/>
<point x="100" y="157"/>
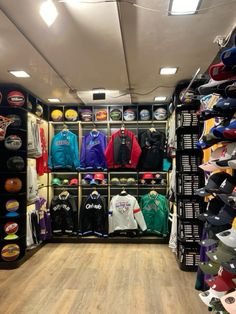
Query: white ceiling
<point x="108" y="45"/>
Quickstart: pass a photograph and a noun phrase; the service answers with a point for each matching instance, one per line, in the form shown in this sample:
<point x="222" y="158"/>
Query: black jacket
<point x="152" y="145"/>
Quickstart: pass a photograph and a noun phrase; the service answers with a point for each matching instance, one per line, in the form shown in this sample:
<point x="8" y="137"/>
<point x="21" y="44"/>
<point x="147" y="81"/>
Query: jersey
<point x="125" y="214"/>
<point x="155" y="210"/>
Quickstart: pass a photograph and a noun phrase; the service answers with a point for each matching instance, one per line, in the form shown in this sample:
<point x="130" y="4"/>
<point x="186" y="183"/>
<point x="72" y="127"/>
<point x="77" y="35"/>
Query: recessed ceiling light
<point x="19" y="73"/>
<point x="98" y="90"/>
<point x="54" y="100"/>
<point x="168" y="71"/>
<point x="160" y="98"/>
<point x="48" y="12"/>
<point x="184" y="7"/>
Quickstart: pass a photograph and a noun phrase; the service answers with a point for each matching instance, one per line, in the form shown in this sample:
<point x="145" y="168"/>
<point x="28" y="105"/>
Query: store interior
<point x="118" y="156"/>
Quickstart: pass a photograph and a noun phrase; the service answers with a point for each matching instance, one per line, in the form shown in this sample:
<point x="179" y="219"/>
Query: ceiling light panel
<point x="160" y="98"/>
<point x="19" y="73"/>
<point x="55" y="100"/>
<point x="168" y="71"/>
<point x="184" y="7"/>
<point x="48" y="12"/>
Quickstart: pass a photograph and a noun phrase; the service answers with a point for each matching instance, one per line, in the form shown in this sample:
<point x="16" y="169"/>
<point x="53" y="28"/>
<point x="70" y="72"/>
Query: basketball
<point x="11" y="227"/>
<point x="86" y="115"/>
<point x="57" y="115"/>
<point x="16" y="163"/>
<point x="71" y="115"/>
<point x="13" y="142"/>
<point x="10" y="252"/>
<point x="116" y="114"/>
<point x="101" y="115"/>
<point x="129" y="115"/>
<point x="145" y="115"/>
<point x="13" y="185"/>
<point x="160" y="114"/>
<point x="16" y="120"/>
<point x="39" y="111"/>
<point x="12" y="205"/>
<point x="16" y="99"/>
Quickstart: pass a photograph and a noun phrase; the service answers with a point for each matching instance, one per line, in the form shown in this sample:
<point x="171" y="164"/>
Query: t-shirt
<point x="125" y="214"/>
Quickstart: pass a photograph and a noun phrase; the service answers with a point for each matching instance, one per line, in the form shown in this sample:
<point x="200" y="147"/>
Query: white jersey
<point x="34" y="142"/>
<point x="32" y="184"/>
<point x="125" y="214"/>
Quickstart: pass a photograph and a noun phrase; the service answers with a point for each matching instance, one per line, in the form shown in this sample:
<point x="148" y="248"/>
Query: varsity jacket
<point x="42" y="162"/>
<point x="152" y="145"/>
<point x="123" y="150"/>
<point x="92" y="151"/>
<point x="64" y="151"/>
<point x="155" y="210"/>
<point x="125" y="214"/>
<point x="63" y="213"/>
<point x="93" y="216"/>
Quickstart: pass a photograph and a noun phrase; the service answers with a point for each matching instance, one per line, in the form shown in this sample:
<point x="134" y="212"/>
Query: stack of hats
<point x="94" y="179"/>
<point x="123" y="181"/>
<point x="150" y="178"/>
<point x="59" y="182"/>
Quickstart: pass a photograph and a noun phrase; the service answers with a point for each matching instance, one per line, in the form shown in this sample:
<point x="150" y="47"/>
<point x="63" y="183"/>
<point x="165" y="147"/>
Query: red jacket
<point x="123" y="150"/>
<point x="42" y="162"/>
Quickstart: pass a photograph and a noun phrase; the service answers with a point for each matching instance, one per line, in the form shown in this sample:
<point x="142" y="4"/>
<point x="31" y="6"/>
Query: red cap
<point x="147" y="175"/>
<point x="222" y="282"/>
<point x="230" y="134"/>
<point x="74" y="181"/>
<point x="219" y="72"/>
<point x="99" y="176"/>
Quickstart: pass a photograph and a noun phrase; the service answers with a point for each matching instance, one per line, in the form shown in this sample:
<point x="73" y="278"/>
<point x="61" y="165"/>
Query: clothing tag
<point x="232" y="266"/>
<point x="215" y="257"/>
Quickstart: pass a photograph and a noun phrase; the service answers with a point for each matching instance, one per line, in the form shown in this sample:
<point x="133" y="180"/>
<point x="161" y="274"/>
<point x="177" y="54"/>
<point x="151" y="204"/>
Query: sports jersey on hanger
<point x="155" y="210"/>
<point x="92" y="152"/>
<point x="93" y="216"/>
<point x="125" y="214"/>
<point x="64" y="151"/>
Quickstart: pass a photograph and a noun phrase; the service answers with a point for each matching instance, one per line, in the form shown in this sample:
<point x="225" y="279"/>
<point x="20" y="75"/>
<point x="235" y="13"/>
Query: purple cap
<point x="88" y="176"/>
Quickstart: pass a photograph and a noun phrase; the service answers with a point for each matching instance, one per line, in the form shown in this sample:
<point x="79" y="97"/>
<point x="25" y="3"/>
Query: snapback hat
<point x="219" y="72"/>
<point x="213" y="208"/>
<point x="94" y="182"/>
<point x="229" y="199"/>
<point x="228" y="57"/>
<point x="208" y="295"/>
<point x="147" y="176"/>
<point x="115" y="181"/>
<point x="99" y="176"/>
<point x="223" y="281"/>
<point x="231" y="90"/>
<point x="221" y="254"/>
<point x="230" y="266"/>
<point x="56" y="181"/>
<point x="74" y="181"/>
<point x="211" y="87"/>
<point x="225" y="216"/>
<point x="88" y="177"/>
<point x="226" y="104"/>
<point x="209" y="268"/>
<point x="229" y="302"/>
<point x="228" y="153"/>
<point x="228" y="237"/>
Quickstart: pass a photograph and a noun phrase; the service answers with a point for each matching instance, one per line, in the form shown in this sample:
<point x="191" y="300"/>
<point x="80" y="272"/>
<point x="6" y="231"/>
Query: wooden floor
<point x="100" y="278"/>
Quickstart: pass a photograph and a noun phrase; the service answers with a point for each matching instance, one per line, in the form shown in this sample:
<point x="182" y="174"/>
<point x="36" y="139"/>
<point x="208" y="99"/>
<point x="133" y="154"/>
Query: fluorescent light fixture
<point x="98" y="90"/>
<point x="54" y="100"/>
<point x="48" y="12"/>
<point x="19" y="73"/>
<point x="183" y="7"/>
<point x="168" y="71"/>
<point x="160" y="98"/>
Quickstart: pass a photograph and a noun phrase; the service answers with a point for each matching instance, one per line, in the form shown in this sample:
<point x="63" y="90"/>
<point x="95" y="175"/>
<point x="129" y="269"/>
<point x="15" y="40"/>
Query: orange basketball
<point x="13" y="185"/>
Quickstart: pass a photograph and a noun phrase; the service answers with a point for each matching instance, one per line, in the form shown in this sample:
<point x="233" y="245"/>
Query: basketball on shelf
<point x="12" y="205"/>
<point x="13" y="185"/>
<point x="39" y="111"/>
<point x="10" y="252"/>
<point x="145" y="115"/>
<point x="86" y="115"/>
<point x="101" y="115"/>
<point x="4" y="123"/>
<point x="160" y="114"/>
<point x="11" y="227"/>
<point x="13" y="142"/>
<point x="17" y="122"/>
<point x="16" y="163"/>
<point x="129" y="115"/>
<point x="186" y="98"/>
<point x="16" y="99"/>
<point x="71" y="115"/>
<point x="116" y="114"/>
<point x="57" y="115"/>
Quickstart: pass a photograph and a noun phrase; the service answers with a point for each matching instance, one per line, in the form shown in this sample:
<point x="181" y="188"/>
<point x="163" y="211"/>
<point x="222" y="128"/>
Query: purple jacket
<point x="92" y="152"/>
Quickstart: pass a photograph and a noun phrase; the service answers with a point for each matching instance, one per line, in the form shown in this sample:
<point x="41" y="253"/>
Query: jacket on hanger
<point x="123" y="150"/>
<point x="32" y="184"/>
<point x="93" y="216"/>
<point x="64" y="151"/>
<point x="125" y="214"/>
<point x="155" y="210"/>
<point x="34" y="143"/>
<point x="152" y="145"/>
<point x="42" y="162"/>
<point x="92" y="152"/>
<point x="44" y="219"/>
<point x="63" y="212"/>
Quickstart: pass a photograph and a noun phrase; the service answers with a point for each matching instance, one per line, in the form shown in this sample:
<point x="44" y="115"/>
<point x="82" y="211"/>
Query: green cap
<point x="222" y="254"/>
<point x="123" y="181"/>
<point x="56" y="181"/>
<point x="210" y="268"/>
<point x="115" y="181"/>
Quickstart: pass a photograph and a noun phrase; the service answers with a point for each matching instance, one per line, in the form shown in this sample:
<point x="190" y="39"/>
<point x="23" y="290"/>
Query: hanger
<point x="122" y="128"/>
<point x="64" y="193"/>
<point x="95" y="192"/>
<point x="152" y="129"/>
<point x="94" y="129"/>
<point x="65" y="127"/>
<point x="153" y="192"/>
<point x="123" y="192"/>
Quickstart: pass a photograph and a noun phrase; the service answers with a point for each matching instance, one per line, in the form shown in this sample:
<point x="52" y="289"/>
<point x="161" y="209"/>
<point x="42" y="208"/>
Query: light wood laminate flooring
<point x="100" y="278"/>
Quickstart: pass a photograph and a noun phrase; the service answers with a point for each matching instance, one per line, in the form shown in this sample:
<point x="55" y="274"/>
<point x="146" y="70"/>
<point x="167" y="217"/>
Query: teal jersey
<point x="155" y="210"/>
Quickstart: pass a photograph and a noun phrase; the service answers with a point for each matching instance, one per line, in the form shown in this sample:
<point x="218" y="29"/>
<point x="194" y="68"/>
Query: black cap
<point x="213" y="208"/>
<point x="225" y="216"/>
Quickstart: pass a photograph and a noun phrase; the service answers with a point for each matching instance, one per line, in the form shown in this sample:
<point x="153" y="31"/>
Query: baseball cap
<point x="229" y="199"/>
<point x="210" y="268"/>
<point x="224" y="217"/>
<point x="56" y="181"/>
<point x="212" y="113"/>
<point x="213" y="208"/>
<point x="99" y="176"/>
<point x="228" y="57"/>
<point x="221" y="254"/>
<point x="231" y="90"/>
<point x="208" y="295"/>
<point x="228" y="185"/>
<point x="225" y="104"/>
<point x="131" y="181"/>
<point x="115" y="181"/>
<point x="209" y="242"/>
<point x="219" y="72"/>
<point x="213" y="183"/>
<point x="147" y="176"/>
<point x="228" y="237"/>
<point x="65" y="182"/>
<point x="94" y="182"/>
<point x="123" y="180"/>
<point x="223" y="281"/>
<point x="88" y="176"/>
<point x="74" y="181"/>
<point x="230" y="266"/>
<point x="229" y="302"/>
<point x="211" y="87"/>
<point x="229" y="150"/>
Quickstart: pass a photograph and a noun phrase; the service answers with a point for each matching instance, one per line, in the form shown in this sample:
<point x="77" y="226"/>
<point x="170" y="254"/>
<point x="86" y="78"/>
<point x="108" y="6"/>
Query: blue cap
<point x="225" y="104"/>
<point x="228" y="57"/>
<point x="93" y="182"/>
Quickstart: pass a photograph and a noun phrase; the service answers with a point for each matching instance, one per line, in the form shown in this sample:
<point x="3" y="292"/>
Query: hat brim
<point x="230" y="239"/>
<point x="209" y="268"/>
<point x="208" y="242"/>
<point x="230" y="266"/>
<point x="228" y="199"/>
<point x="219" y="284"/>
<point x="202" y="192"/>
